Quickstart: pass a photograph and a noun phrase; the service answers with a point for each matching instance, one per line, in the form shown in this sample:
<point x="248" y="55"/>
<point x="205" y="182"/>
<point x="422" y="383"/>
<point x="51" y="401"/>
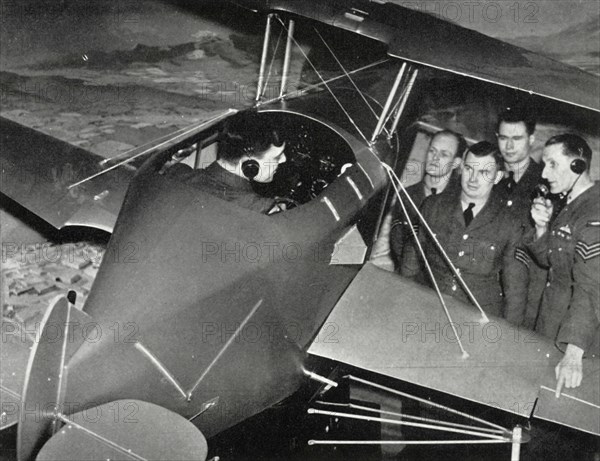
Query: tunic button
<point x="550" y="251"/>
<point x="560" y="249"/>
<point x="465" y="237"/>
<point x="453" y="287"/>
<point x="461" y="253"/>
<point x="509" y="203"/>
<point x="547" y="284"/>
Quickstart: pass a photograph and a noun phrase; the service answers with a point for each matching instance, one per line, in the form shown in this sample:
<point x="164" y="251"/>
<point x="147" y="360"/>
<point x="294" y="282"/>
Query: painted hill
<point x="577" y="45"/>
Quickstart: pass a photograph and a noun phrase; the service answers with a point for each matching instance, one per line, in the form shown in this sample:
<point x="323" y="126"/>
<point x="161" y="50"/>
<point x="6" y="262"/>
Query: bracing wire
<point x="346" y="73"/>
<point x="455" y="271"/>
<point x="330" y="80"/>
<point x="395" y="182"/>
<point x="434" y="427"/>
<point x="180" y="134"/>
<point x="424" y="401"/>
<point x="406" y="416"/>
<point x="326" y="85"/>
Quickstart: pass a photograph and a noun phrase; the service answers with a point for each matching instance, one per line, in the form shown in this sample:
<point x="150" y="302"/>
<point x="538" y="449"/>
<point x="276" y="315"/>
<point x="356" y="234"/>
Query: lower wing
<point x="392" y="326"/>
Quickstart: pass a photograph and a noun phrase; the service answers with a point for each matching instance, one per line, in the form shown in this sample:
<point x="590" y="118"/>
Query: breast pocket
<point x="485" y="257"/>
<point x="562" y="248"/>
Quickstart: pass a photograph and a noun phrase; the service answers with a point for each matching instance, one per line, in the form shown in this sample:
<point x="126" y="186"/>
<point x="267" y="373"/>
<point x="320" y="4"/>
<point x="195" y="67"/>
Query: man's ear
<point x="499" y="176"/>
<point x="456" y="163"/>
<point x="531" y="139"/>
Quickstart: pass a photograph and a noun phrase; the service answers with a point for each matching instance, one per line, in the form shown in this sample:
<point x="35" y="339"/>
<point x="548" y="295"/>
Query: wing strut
<point x="388" y="103"/>
<point x="403" y="99"/>
<point x="287" y="57"/>
<point x="265" y="85"/>
<point x="493" y="433"/>
<point x="263" y="59"/>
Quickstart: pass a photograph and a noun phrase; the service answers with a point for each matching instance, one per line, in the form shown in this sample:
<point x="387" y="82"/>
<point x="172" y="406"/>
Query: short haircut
<point x="247" y="133"/>
<point x="517" y="115"/>
<point x="461" y="143"/>
<point x="573" y="146"/>
<point x="485" y="148"/>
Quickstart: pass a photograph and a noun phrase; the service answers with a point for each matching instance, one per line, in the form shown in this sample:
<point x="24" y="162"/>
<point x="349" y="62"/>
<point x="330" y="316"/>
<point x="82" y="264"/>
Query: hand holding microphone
<point x="541" y="210"/>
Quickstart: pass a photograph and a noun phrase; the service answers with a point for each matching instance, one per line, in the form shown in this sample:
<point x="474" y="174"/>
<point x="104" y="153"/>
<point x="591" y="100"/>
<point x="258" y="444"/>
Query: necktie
<point x="433" y="191"/>
<point x="468" y="214"/>
<point x="510" y="182"/>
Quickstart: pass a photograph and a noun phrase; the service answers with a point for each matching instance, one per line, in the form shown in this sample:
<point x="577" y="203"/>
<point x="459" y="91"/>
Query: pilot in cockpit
<point x="250" y="150"/>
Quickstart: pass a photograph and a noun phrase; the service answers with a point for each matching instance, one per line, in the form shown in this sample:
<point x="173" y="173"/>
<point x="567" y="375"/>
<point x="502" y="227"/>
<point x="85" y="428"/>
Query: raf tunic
<point x="217" y="181"/>
<point x="483" y="252"/>
<point x="570" y="311"/>
<point x="517" y="201"/>
<point x="400" y="232"/>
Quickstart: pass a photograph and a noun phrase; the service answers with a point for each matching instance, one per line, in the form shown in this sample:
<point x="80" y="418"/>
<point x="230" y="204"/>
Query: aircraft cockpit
<point x="316" y="154"/>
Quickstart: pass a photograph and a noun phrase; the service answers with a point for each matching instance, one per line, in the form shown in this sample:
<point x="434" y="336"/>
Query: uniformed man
<point x="251" y="151"/>
<point x="569" y="245"/>
<point x="515" y="135"/>
<point x="444" y="155"/>
<point x="479" y="237"/>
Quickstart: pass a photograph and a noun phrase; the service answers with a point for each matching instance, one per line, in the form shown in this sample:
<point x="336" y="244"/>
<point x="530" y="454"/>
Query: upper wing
<point x="429" y="40"/>
<point x="38" y="169"/>
<point x="395" y="327"/>
<point x="39" y="172"/>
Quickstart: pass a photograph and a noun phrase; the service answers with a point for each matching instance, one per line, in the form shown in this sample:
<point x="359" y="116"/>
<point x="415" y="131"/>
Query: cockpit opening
<point x="315" y="155"/>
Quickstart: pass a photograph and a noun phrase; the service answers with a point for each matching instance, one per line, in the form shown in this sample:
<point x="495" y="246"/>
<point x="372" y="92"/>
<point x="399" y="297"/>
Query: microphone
<point x="541" y="190"/>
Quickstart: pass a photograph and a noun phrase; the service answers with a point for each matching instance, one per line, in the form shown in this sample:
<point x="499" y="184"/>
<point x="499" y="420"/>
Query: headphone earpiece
<point x="250" y="168"/>
<point x="578" y="166"/>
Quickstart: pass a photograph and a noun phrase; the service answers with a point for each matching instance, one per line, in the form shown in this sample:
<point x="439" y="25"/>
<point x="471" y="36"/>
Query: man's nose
<point x="510" y="144"/>
<point x="283" y="158"/>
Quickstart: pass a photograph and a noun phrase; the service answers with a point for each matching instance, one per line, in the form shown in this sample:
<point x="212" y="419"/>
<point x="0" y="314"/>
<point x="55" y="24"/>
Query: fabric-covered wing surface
<point x="397" y="328"/>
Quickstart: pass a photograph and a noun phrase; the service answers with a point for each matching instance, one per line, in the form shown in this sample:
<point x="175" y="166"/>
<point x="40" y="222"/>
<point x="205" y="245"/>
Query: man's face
<point x="514" y="142"/>
<point x="557" y="169"/>
<point x="441" y="156"/>
<point x="269" y="162"/>
<point x="479" y="174"/>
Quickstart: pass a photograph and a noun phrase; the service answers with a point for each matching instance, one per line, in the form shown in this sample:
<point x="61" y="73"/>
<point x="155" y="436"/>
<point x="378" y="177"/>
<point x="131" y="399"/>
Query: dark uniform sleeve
<point x="515" y="277"/>
<point x="411" y="264"/>
<point x="179" y="171"/>
<point x="582" y="322"/>
<point x="397" y="233"/>
<point x="537" y="248"/>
